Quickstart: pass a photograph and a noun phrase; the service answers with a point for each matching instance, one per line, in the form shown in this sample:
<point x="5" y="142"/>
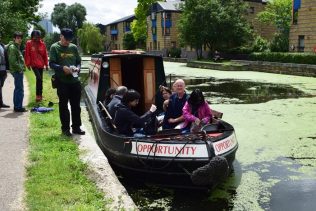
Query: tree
<point x="139" y="25"/>
<point x="278" y="13"/>
<point x="129" y="41"/>
<point x="71" y="16"/>
<point x="17" y="16"/>
<point x="218" y="24"/>
<point x="50" y="39"/>
<point x="91" y="40"/>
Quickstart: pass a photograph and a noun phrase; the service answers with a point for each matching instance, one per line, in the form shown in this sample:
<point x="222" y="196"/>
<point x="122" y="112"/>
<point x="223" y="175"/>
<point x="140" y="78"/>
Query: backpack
<point x="6" y="56"/>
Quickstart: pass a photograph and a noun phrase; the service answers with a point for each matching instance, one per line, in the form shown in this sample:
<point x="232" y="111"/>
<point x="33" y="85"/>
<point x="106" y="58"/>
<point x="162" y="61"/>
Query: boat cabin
<point x="133" y="69"/>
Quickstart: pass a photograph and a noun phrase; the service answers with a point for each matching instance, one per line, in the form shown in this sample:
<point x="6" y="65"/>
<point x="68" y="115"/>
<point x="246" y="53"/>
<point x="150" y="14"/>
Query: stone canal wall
<point x="260" y="66"/>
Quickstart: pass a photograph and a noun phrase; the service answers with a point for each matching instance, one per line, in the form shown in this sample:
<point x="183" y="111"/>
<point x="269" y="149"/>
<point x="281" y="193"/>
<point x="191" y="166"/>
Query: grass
<point x="56" y="178"/>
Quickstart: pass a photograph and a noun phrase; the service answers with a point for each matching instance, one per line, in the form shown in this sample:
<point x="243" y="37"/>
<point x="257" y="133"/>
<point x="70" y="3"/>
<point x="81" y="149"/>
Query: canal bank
<point x="247" y="65"/>
<point x="100" y="171"/>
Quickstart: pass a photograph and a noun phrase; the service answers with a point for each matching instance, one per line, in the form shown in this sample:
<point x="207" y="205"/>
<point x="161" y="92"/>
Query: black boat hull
<point x="160" y="158"/>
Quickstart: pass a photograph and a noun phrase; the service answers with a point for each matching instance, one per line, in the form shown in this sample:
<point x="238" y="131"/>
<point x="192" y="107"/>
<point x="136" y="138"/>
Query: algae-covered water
<point x="274" y="118"/>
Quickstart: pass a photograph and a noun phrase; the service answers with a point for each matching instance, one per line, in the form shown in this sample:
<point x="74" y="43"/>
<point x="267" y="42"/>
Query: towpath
<point x="13" y="148"/>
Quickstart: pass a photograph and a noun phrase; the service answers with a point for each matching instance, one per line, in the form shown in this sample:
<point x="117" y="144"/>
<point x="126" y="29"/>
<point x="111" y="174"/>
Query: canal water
<point x="274" y="118"/>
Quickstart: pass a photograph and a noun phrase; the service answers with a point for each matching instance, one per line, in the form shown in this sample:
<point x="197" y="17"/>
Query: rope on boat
<point x="154" y="168"/>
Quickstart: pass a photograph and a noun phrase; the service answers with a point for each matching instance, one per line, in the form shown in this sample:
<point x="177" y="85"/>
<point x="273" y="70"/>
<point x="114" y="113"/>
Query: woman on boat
<point x="109" y="95"/>
<point x="165" y="93"/>
<point x="196" y="112"/>
<point x="125" y="119"/>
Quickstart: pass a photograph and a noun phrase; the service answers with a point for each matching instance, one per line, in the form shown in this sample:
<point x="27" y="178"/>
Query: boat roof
<point x="124" y="53"/>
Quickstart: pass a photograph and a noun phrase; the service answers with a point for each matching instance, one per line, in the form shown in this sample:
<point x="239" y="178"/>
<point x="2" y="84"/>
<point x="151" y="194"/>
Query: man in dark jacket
<point x="3" y="71"/>
<point x="117" y="98"/>
<point x="125" y="119"/>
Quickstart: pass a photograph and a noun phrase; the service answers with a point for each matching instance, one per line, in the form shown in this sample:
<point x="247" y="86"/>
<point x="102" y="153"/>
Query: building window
<point x="153" y="30"/>
<point x="295" y="17"/>
<point x="151" y="46"/>
<point x="168" y="15"/>
<point x="173" y="44"/>
<point x="301" y="44"/>
<point x="165" y="31"/>
<point x="155" y="45"/>
<point x="113" y="37"/>
<point x="153" y="16"/>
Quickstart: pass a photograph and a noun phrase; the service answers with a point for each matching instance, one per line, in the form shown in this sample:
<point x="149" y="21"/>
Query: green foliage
<point x="16" y="15"/>
<point x="280" y="43"/>
<point x="174" y="52"/>
<point x="218" y="24"/>
<point x="299" y="58"/>
<point x="50" y="39"/>
<point x="56" y="178"/>
<point x="90" y="38"/>
<point x="260" y="45"/>
<point x="71" y="16"/>
<point x="139" y="25"/>
<point x="129" y="41"/>
<point x="278" y="13"/>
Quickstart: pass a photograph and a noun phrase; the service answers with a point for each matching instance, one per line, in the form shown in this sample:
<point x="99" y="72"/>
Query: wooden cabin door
<point x="115" y="72"/>
<point x="149" y="82"/>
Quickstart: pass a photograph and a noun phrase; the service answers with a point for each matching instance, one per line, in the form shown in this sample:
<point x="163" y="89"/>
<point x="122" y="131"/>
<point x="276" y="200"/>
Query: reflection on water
<point x="294" y="195"/>
<point x="230" y="91"/>
<point x="153" y="197"/>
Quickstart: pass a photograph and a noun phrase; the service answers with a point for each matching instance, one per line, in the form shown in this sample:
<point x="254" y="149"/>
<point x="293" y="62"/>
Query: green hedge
<point x="299" y="58"/>
<point x="175" y="52"/>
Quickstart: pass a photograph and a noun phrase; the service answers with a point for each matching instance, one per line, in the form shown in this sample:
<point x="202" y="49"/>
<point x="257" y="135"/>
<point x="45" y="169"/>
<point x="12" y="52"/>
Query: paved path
<point x="13" y="146"/>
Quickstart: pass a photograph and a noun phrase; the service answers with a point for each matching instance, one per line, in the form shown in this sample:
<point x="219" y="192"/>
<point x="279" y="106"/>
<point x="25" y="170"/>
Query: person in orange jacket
<point x="36" y="58"/>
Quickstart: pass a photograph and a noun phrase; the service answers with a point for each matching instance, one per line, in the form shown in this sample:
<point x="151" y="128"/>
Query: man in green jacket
<point x="16" y="66"/>
<point x="65" y="60"/>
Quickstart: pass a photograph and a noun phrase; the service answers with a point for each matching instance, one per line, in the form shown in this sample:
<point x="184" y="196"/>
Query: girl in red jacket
<point x="36" y="58"/>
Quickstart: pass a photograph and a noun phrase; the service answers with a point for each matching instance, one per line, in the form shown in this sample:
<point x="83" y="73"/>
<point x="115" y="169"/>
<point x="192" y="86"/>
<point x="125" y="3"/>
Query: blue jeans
<point x="18" y="94"/>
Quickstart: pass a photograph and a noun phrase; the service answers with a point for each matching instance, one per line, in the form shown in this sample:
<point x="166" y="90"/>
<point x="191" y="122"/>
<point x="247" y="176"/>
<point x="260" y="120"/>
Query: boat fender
<point x="211" y="173"/>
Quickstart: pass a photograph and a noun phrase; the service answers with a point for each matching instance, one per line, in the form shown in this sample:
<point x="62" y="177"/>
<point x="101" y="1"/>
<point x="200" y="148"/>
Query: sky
<point x="98" y="11"/>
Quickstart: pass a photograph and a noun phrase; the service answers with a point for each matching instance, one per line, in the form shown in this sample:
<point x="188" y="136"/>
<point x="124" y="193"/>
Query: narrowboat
<point x="199" y="159"/>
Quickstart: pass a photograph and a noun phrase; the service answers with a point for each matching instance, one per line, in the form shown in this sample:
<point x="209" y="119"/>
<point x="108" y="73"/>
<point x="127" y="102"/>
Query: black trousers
<point x="39" y="80"/>
<point x="69" y="93"/>
<point x="3" y="76"/>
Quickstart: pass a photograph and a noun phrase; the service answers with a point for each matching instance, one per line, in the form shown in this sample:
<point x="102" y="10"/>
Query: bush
<point x="239" y="50"/>
<point x="260" y="45"/>
<point x="280" y="43"/>
<point x="174" y="52"/>
<point x="299" y="58"/>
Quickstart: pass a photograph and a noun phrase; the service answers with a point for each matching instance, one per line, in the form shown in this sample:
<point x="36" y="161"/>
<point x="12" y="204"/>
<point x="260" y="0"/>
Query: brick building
<point x="162" y="26"/>
<point x="115" y="32"/>
<point x="303" y="28"/>
<point x="163" y="33"/>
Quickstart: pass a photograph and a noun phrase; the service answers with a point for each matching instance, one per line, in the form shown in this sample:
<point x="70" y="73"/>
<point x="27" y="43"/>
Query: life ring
<point x="315" y="49"/>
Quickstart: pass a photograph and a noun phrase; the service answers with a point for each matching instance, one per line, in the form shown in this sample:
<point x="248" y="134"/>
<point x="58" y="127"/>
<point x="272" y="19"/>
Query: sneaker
<point x="78" y="131"/>
<point x="4" y="106"/>
<point x="66" y="133"/>
<point x="20" y="109"/>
